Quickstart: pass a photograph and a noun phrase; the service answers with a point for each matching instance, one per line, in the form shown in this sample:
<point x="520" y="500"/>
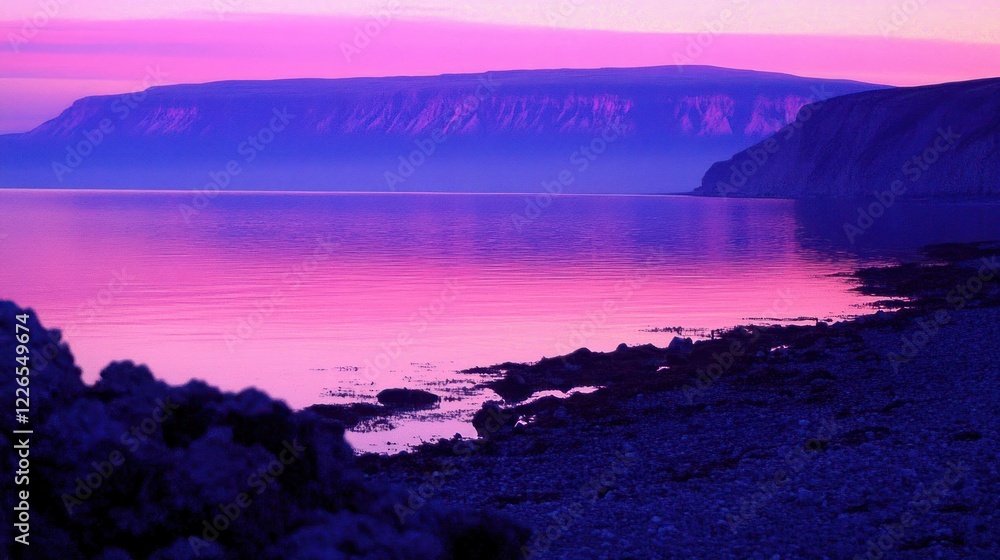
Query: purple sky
<point x="56" y="51"/>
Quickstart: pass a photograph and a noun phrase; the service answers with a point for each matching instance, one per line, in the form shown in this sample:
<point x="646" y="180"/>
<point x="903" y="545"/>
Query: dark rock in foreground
<point x="134" y="468"/>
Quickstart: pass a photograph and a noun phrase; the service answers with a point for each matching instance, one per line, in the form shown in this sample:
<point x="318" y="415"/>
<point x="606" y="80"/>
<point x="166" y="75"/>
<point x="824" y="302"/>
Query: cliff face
<point x="931" y="141"/>
<point x="379" y="115"/>
<point x="333" y="125"/>
<point x="647" y="101"/>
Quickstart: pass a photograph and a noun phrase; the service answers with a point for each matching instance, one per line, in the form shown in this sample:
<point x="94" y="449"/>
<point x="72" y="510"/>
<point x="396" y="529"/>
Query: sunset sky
<point x="55" y="51"/>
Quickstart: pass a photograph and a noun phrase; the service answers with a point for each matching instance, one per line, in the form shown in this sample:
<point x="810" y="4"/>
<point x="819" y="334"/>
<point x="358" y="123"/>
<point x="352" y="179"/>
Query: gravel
<point x="825" y="451"/>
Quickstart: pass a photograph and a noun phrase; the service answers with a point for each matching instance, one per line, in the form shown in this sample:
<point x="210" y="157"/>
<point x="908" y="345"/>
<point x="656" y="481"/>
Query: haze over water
<point x="332" y="297"/>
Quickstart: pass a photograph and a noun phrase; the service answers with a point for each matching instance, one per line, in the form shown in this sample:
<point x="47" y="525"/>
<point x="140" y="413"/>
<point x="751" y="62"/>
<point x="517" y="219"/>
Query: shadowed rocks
<point x="132" y="467"/>
<point x="934" y="141"/>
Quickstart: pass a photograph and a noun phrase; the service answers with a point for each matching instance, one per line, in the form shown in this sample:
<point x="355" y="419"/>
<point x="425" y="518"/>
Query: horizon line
<point x="199" y="191"/>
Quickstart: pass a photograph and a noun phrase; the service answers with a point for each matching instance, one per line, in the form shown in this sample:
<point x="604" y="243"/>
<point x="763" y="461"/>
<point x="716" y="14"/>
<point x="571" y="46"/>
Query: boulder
<point x="681" y="346"/>
<point x="408" y="398"/>
<point x="162" y="461"/>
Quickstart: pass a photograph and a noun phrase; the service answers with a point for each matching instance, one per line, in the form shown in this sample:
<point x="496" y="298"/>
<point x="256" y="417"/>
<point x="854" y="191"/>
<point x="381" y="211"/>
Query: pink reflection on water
<point x="304" y="295"/>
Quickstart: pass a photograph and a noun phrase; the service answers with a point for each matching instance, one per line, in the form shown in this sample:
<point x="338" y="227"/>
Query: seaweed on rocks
<point x="751" y="443"/>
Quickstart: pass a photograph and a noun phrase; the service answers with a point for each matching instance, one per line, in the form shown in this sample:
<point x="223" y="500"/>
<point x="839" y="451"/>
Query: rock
<point x="868" y="131"/>
<point x="124" y="378"/>
<point x="408" y="398"/>
<point x="806" y="497"/>
<point x="200" y="449"/>
<point x="114" y="553"/>
<point x="944" y="533"/>
<point x="579" y="357"/>
<point x="350" y="415"/>
<point x="492" y="420"/>
<point x="821" y="383"/>
<point x="681" y="346"/>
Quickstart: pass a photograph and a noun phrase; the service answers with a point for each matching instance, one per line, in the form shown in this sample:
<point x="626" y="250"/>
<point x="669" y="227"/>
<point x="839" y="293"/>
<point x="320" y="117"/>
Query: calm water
<point x="333" y="297"/>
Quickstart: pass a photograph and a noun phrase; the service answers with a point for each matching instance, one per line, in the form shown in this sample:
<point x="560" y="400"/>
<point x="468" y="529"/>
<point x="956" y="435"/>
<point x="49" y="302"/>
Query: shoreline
<point x="878" y="398"/>
<point x="819" y="447"/>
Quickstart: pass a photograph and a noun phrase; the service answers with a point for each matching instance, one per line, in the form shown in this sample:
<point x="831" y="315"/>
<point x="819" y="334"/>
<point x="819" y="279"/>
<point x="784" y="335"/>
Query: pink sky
<point x="95" y="47"/>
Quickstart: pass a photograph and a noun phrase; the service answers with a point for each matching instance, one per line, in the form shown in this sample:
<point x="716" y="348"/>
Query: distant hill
<point x="614" y="130"/>
<point x="921" y="142"/>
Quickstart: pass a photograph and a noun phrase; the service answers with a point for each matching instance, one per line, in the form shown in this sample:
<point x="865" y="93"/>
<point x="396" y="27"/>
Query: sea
<point x="332" y="297"/>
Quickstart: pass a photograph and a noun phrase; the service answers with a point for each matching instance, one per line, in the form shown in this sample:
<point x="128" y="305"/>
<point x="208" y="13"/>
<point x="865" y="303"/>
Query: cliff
<point x="348" y="132"/>
<point x="922" y="142"/>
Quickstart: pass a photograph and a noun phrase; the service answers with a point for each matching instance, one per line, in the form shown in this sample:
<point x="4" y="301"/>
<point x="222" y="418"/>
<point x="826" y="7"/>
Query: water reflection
<point x="320" y="298"/>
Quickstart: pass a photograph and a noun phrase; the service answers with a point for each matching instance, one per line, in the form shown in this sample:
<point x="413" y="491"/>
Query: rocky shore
<point x="133" y="468"/>
<point x="869" y="438"/>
